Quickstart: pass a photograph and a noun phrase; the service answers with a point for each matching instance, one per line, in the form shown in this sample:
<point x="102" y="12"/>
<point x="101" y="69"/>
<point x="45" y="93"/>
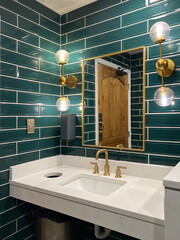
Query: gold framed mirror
<point x="113" y="100"/>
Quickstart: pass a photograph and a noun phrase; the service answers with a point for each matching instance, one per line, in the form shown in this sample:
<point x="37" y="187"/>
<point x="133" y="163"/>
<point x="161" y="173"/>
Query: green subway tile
<point x="4" y="191"/>
<point x="4" y="177"/>
<point x="7" y="149"/>
<point x="40" y="31"/>
<point x="17" y="135"/>
<point x="50" y="89"/>
<point x="162" y="160"/>
<point x="167" y="49"/>
<point x="8" y="69"/>
<point x="7" y="203"/>
<point x="47" y="56"/>
<point x="78" y="131"/>
<point x="164" y="134"/>
<point x="8" y="230"/>
<point x="20" y="10"/>
<point x="163" y="120"/>
<point x="19" y="34"/>
<point x="149" y="12"/>
<point x="6" y="162"/>
<point x="7" y="96"/>
<point x="138" y="41"/>
<point x="48" y="78"/>
<point x="49" y="24"/>
<point x="73" y="151"/>
<point x="17" y="84"/>
<point x="76" y="99"/>
<point x="76" y="142"/>
<point x="25" y="233"/>
<point x="28" y="50"/>
<point x="155" y="79"/>
<point x="75" y="46"/>
<point x="118" y="34"/>
<point x="72" y="68"/>
<point x="63" y="19"/>
<point x="49" y="110"/>
<point x="172" y="18"/>
<point x="7" y="123"/>
<point x="8" y="43"/>
<point x="40" y="121"/>
<point x="36" y="98"/>
<point x="63" y="39"/>
<point x="74" y="110"/>
<point x="28" y="73"/>
<point x="26" y="220"/>
<point x="14" y="213"/>
<point x="150" y="91"/>
<point x="19" y="59"/>
<point x="8" y="16"/>
<point x="90" y="8"/>
<point x="19" y="110"/>
<point x="50" y="132"/>
<point x="33" y="4"/>
<point x="72" y="26"/>
<point x="95" y="29"/>
<point x="163" y="148"/>
<point x="45" y="44"/>
<point x="50" y="152"/>
<point x="114" y="11"/>
<point x="154" y="108"/>
<point x="28" y="146"/>
<point x="49" y="67"/>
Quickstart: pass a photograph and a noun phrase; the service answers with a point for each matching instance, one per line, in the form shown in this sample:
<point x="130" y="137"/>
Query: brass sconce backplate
<point x="169" y="69"/>
<point x="71" y="82"/>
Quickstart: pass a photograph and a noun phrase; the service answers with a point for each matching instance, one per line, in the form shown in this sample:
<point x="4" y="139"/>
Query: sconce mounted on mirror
<point x="63" y="103"/>
<point x="164" y="96"/>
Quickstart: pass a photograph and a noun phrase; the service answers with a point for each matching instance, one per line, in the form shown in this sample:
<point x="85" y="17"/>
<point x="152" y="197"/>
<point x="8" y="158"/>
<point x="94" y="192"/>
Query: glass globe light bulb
<point x="62" y="57"/>
<point x="164" y="97"/>
<point x="159" y="31"/>
<point x="63" y="104"/>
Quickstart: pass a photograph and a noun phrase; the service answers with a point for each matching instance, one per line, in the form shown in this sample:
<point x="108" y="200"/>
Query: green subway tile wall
<point x="131" y="24"/>
<point x="29" y="88"/>
<point x="30" y="35"/>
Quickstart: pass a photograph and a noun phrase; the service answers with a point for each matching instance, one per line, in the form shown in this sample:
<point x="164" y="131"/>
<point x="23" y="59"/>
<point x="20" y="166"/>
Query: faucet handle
<point x="96" y="168"/>
<point x="118" y="171"/>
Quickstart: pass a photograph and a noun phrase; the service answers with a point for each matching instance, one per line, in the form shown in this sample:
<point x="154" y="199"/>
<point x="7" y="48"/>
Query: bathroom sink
<point x="95" y="184"/>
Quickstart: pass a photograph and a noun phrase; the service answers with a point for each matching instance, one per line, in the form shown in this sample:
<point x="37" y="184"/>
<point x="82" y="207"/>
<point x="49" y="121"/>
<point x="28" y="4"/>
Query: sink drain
<point x="53" y="175"/>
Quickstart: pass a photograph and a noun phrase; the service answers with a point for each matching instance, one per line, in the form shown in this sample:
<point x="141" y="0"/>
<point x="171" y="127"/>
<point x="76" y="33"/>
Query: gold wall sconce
<point x="63" y="103"/>
<point x="164" y="96"/>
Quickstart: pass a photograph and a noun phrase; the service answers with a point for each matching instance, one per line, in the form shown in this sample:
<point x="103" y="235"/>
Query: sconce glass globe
<point x="164" y="97"/>
<point x="63" y="104"/>
<point x="62" y="57"/>
<point x="159" y="32"/>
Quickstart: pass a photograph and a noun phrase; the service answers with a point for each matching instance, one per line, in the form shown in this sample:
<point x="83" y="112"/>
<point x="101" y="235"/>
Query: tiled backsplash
<point x="30" y="36"/>
<point x="110" y="26"/>
<point x="29" y="88"/>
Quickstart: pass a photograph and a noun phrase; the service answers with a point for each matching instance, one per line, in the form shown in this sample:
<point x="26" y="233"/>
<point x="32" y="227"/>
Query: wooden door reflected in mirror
<point x="114" y="100"/>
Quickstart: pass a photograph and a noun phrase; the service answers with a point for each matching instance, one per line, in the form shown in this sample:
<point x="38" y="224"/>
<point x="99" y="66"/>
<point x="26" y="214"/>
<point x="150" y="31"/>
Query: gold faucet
<point x="106" y="167"/>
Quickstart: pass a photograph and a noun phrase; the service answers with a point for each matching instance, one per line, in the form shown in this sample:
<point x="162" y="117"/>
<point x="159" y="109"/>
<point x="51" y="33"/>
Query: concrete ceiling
<point x="65" y="6"/>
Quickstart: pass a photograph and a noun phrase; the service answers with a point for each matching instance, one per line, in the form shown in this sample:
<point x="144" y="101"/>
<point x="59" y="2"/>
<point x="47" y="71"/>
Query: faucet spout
<point x="106" y="167"/>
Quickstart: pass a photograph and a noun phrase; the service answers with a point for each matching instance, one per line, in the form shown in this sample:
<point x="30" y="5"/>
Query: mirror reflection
<point x="113" y="96"/>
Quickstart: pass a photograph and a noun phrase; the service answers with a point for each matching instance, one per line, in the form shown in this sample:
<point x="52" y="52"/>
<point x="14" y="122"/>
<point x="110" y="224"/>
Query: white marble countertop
<point x="172" y="180"/>
<point x="142" y="197"/>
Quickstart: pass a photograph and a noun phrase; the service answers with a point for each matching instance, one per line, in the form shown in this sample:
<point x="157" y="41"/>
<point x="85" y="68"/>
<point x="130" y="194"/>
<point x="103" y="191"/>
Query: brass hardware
<point x="71" y="82"/>
<point x="106" y="167"/>
<point x="96" y="168"/>
<point x="83" y="96"/>
<point x="169" y="69"/>
<point x="118" y="171"/>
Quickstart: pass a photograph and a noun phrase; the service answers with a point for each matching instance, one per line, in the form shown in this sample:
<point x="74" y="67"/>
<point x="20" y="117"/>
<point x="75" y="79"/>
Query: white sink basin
<point x="98" y="185"/>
